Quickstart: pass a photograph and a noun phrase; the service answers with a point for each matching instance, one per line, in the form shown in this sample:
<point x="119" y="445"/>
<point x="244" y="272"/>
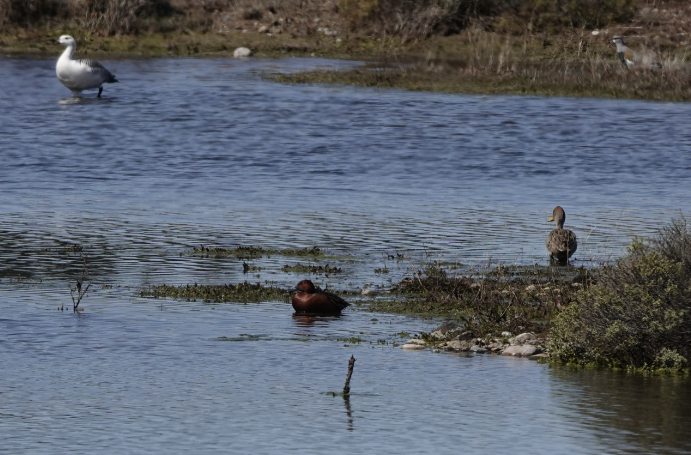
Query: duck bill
<point x="551" y="219"/>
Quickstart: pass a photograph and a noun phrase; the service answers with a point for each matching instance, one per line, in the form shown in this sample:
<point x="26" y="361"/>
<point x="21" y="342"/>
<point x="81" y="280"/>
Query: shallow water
<point x="188" y="152"/>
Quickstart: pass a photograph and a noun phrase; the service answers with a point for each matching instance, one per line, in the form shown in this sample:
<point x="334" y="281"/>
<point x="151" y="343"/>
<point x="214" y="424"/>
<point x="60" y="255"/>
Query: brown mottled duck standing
<point x="561" y="243"/>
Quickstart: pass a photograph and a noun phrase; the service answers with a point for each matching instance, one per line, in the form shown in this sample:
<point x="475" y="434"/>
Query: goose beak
<point x="551" y="219"/>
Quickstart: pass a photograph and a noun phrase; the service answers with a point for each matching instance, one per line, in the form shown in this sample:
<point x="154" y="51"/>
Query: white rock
<point x="412" y="347"/>
<point x="241" y="52"/>
<point x="522" y="351"/>
<point x="506" y="334"/>
<point x="595" y="32"/>
<point x="415" y="341"/>
<point x="523" y="337"/>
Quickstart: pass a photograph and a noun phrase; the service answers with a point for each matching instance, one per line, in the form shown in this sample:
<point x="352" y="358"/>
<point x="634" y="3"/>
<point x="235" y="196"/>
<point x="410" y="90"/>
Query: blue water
<point x="184" y="152"/>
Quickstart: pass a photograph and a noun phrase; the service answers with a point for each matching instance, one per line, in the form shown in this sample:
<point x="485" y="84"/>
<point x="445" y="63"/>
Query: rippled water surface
<point x="188" y="152"/>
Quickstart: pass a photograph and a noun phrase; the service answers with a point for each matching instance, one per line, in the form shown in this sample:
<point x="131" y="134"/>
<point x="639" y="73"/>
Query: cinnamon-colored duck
<point x="561" y="243"/>
<point x="312" y="300"/>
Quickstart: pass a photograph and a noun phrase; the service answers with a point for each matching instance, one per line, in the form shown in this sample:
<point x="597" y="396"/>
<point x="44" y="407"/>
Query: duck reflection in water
<point x="310" y="300"/>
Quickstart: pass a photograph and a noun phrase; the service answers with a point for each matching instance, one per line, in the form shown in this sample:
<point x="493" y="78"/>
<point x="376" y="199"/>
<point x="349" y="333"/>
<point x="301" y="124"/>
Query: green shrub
<point x="637" y="316"/>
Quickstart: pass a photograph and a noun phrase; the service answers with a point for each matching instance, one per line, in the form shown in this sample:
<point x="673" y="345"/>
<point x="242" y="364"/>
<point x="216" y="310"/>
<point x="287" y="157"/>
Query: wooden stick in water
<point x="351" y="364"/>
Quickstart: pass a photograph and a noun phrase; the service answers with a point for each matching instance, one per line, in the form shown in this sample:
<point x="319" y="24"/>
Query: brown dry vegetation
<point x="510" y="299"/>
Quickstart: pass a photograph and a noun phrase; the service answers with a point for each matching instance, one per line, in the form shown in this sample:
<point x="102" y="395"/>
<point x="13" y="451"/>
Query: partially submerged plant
<point x="79" y="288"/>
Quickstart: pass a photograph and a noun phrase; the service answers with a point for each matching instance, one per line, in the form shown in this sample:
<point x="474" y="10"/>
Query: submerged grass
<point x="311" y="269"/>
<point x="242" y="292"/>
<point x="255" y="252"/>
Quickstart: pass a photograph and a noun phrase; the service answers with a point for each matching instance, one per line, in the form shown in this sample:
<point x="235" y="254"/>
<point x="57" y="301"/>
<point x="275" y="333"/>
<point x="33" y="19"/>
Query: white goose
<point x="81" y="74"/>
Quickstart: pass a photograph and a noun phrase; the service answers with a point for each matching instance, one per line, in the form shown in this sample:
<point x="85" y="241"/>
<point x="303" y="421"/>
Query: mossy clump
<point x="242" y="292"/>
<point x="311" y="269"/>
<point x="638" y="315"/>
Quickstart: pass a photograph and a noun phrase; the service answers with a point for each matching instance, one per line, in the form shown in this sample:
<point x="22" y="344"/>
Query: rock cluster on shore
<point x="451" y="337"/>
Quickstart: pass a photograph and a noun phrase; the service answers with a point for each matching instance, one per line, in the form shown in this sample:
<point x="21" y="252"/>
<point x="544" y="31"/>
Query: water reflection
<point x="648" y="412"/>
<point x="349" y="411"/>
<point x="305" y="320"/>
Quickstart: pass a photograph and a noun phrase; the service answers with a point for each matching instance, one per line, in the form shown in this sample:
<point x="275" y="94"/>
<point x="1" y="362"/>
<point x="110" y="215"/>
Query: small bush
<point x="638" y="315"/>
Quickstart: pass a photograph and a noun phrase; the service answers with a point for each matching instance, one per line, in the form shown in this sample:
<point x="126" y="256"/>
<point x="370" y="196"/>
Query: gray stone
<point x="478" y="349"/>
<point x="241" y="52"/>
<point x="462" y="336"/>
<point x="458" y="345"/>
<point x="522" y="351"/>
<point x="412" y="347"/>
<point x="441" y="331"/>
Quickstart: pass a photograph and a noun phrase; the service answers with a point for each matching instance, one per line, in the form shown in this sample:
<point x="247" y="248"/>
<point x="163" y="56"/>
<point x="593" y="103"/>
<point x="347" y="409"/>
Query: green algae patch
<point x="311" y="269"/>
<point x="242" y="292"/>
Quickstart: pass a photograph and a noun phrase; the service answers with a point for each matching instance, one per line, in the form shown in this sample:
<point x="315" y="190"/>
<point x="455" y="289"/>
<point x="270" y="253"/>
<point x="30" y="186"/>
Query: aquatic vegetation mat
<point x="242" y="292"/>
<point x="255" y="252"/>
<point x="493" y="302"/>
